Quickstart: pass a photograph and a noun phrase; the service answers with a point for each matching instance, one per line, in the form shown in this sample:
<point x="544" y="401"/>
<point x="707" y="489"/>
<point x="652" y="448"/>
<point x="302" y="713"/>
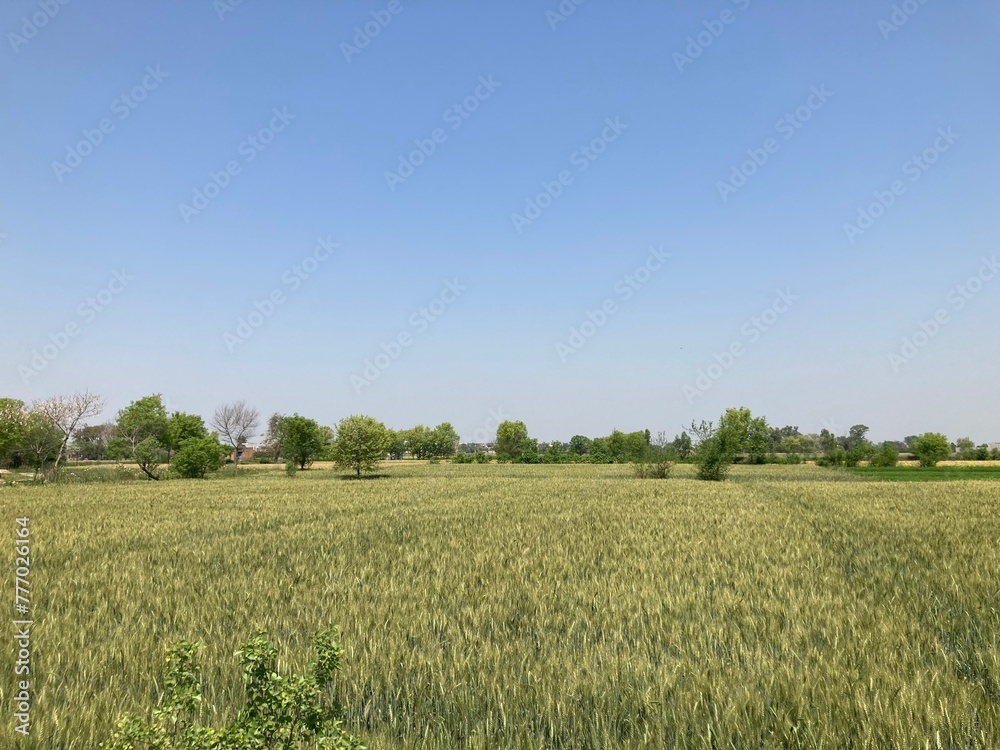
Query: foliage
<point x="181" y="427"/>
<point x="149" y="454"/>
<point x="144" y="418"/>
<point x="281" y="712"/>
<point x="512" y="440"/>
<point x="301" y="439"/>
<point x="683" y="446"/>
<point x="199" y="455"/>
<point x="360" y="444"/>
<point x="930" y="448"/>
<point x="657" y="460"/>
<point x="718" y="447"/>
<point x="885" y="456"/>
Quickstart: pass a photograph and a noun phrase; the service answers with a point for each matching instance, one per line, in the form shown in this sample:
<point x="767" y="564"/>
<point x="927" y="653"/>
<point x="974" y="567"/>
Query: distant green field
<point x="512" y="606"/>
<point x="928" y="474"/>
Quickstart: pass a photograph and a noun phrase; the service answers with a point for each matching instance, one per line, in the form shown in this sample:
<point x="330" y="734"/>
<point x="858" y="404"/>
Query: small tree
<point x="886" y="456"/>
<point x="39" y="443"/>
<point x="182" y="427"/>
<point x="301" y="439"/>
<point x="149" y="454"/>
<point x="360" y="443"/>
<point x="683" y="446"/>
<point x="930" y="448"/>
<point x="143" y="418"/>
<point x="65" y="412"/>
<point x="512" y="438"/>
<point x="197" y="456"/>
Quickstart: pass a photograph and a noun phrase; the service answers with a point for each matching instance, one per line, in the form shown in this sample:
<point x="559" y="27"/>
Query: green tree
<point x="196" y="456"/>
<point x="512" y="440"/>
<point x="40" y="443"/>
<point x="397" y="446"/>
<point x="828" y="441"/>
<point x="301" y="439"/>
<point x="90" y="442"/>
<point x="144" y="418"/>
<point x="148" y="455"/>
<point x="419" y="441"/>
<point x="181" y="427"/>
<point x="12" y="423"/>
<point x="683" y="446"/>
<point x="442" y="441"/>
<point x="718" y="446"/>
<point x="758" y="442"/>
<point x="360" y="443"/>
<point x="930" y="448"/>
<point x="887" y="455"/>
<point x="579" y="444"/>
<point x="966" y="449"/>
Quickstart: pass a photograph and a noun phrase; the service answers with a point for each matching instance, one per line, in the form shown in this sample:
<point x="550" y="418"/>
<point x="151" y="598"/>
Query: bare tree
<point x="235" y="423"/>
<point x="65" y="412"/>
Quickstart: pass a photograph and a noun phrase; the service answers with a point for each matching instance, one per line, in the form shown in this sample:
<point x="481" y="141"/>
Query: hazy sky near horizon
<point x="627" y="216"/>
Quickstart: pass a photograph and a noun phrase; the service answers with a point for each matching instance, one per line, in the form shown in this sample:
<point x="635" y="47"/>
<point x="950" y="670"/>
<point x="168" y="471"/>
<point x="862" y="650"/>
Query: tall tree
<point x="236" y="423"/>
<point x="512" y="438"/>
<point x="181" y="427"/>
<point x="360" y="443"/>
<point x="143" y="418"/>
<point x="301" y="439"/>
<point x="65" y="413"/>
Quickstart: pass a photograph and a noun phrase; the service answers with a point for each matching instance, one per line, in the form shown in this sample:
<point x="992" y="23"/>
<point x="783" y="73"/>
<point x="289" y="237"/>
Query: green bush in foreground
<point x="281" y="713"/>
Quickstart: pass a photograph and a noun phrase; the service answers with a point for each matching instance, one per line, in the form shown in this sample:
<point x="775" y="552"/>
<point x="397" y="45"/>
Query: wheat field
<point x="532" y="606"/>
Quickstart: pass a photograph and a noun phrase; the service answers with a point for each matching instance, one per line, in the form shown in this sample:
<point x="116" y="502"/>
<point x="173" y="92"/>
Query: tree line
<point x="41" y="436"/>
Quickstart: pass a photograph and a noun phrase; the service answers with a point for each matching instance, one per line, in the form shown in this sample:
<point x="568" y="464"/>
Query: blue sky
<point x="743" y="137"/>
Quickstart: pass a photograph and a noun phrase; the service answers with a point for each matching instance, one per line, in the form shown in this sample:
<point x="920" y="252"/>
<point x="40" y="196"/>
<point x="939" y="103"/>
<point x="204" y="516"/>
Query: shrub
<point x="198" y="456"/>
<point x="885" y="456"/>
<point x="280" y="712"/>
<point x="930" y="448"/>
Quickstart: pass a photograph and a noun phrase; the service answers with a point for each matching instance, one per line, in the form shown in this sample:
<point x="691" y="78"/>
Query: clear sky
<point x="670" y="181"/>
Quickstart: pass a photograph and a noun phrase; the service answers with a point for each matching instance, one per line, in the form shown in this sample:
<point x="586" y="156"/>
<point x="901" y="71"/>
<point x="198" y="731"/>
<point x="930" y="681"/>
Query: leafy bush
<point x="281" y="711"/>
<point x="198" y="456"/>
<point x="885" y="456"/>
<point x="930" y="448"/>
